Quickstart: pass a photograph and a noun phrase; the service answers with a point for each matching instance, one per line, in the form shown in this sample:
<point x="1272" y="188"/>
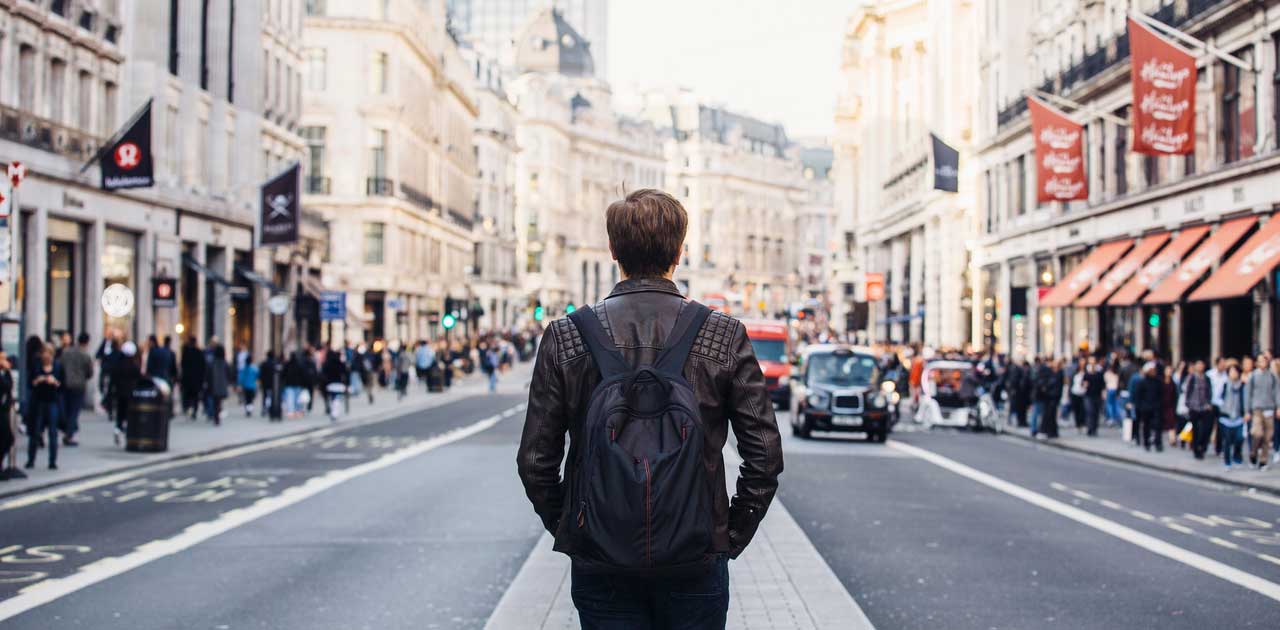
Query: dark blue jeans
<point x="72" y="404"/>
<point x="610" y="602"/>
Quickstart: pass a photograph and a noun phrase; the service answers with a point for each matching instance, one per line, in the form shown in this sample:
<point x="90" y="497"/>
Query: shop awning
<point x="258" y="279"/>
<point x="1123" y="270"/>
<point x="1193" y="268"/>
<point x="195" y="265"/>
<point x="1246" y="268"/>
<point x="1158" y="267"/>
<point x="1080" y="278"/>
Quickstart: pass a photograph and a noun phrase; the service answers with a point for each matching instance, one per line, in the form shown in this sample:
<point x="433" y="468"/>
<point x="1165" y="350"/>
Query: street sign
<point x="164" y="292"/>
<point x="17" y="172"/>
<point x="117" y="300"/>
<point x="875" y="287"/>
<point x="395" y="304"/>
<point x="278" y="304"/>
<point x="333" y="305"/>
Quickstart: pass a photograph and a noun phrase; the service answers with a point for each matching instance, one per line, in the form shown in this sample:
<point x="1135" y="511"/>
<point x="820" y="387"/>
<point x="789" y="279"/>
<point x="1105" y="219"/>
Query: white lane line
<point x="1269" y="558"/>
<point x="49" y="590"/>
<point x="1127" y="534"/>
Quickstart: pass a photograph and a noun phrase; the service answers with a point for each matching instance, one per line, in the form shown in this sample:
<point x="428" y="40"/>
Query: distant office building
<point x="493" y="25"/>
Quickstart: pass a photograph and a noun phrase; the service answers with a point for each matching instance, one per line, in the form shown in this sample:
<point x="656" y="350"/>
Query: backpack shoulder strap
<point x="680" y="340"/>
<point x="599" y="344"/>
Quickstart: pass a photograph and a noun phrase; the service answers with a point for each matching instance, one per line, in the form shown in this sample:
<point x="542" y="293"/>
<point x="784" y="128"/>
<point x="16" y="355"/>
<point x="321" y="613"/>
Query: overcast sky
<point x="777" y="60"/>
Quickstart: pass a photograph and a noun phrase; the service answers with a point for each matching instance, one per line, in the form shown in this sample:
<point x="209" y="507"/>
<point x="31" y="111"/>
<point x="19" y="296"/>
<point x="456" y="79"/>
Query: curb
<point x="354" y="421"/>
<point x="1163" y="468"/>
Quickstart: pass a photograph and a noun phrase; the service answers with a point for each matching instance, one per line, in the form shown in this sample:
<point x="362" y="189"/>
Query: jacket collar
<point x="637" y="285"/>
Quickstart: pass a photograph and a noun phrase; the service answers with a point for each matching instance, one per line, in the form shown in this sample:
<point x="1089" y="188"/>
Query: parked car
<point x="837" y="388"/>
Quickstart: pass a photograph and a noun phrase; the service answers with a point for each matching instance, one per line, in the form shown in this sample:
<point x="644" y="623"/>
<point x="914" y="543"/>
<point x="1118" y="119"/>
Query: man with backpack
<point x="647" y="384"/>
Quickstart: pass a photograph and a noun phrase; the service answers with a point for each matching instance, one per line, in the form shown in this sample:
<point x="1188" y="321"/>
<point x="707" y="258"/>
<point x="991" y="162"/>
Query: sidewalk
<point x="1109" y="444"/>
<point x="98" y="455"/>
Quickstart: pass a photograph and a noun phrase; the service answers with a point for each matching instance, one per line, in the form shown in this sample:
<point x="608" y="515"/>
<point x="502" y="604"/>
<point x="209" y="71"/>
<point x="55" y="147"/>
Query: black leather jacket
<point x="727" y="381"/>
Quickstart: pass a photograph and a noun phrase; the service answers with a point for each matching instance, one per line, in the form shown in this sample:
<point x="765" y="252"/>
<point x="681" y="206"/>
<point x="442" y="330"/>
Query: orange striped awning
<point x="1247" y="267"/>
<point x="1082" y="277"/>
<point x="1123" y="270"/>
<point x="1158" y="267"/>
<point x="1193" y="268"/>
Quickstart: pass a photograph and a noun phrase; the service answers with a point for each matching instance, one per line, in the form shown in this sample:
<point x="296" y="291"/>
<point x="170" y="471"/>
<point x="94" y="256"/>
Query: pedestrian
<point x="1049" y="385"/>
<point x="107" y="355"/>
<point x="77" y="367"/>
<point x="362" y="371"/>
<point x="295" y="379"/>
<point x="1075" y="374"/>
<point x="334" y="372"/>
<point x="1275" y="435"/>
<point x="311" y="375"/>
<point x="247" y="379"/>
<point x="124" y="377"/>
<point x="628" y="571"/>
<point x="271" y="384"/>
<point x="1148" y="401"/>
<point x="424" y="358"/>
<point x="1111" y="380"/>
<point x="1262" y="394"/>
<point x="1200" y="406"/>
<point x="1019" y="387"/>
<point x="159" y="363"/>
<point x="489" y="363"/>
<point x="1231" y="417"/>
<point x="193" y="377"/>
<point x="8" y="423"/>
<point x="403" y="362"/>
<point x="1170" y="423"/>
<point x="1217" y="376"/>
<point x="217" y="381"/>
<point x="46" y="402"/>
<point x="1131" y="407"/>
<point x="1094" y="387"/>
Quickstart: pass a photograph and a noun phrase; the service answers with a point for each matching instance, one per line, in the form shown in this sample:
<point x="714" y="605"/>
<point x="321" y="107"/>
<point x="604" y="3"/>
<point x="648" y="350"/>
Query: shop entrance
<point x="1237" y="327"/>
<point x="1196" y="324"/>
<point x="60" y="293"/>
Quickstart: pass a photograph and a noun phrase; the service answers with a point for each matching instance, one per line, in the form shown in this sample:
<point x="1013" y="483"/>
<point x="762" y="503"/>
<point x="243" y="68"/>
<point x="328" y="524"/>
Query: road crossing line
<point x="1084" y="517"/>
<point x="49" y="590"/>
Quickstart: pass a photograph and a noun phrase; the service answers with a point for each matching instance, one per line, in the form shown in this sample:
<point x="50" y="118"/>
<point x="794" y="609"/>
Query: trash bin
<point x="150" y="410"/>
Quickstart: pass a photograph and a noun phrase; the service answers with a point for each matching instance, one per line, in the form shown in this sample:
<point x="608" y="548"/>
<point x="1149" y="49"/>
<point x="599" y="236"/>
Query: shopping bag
<point x="1185" y="435"/>
<point x="1126" y="429"/>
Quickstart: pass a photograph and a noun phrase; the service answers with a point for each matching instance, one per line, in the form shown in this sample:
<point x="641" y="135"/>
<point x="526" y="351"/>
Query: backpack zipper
<point x="582" y="514"/>
<point x="648" y="518"/>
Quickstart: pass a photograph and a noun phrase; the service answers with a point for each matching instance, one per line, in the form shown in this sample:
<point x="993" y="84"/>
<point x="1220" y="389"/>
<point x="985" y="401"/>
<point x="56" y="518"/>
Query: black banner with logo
<point x="280" y="209"/>
<point x="164" y="292"/>
<point x="946" y="166"/>
<point x="127" y="163"/>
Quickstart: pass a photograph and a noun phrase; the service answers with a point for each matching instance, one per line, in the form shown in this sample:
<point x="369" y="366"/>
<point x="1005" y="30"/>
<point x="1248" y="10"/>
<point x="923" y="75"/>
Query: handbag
<point x="1185" y="435"/>
<point x="1182" y="409"/>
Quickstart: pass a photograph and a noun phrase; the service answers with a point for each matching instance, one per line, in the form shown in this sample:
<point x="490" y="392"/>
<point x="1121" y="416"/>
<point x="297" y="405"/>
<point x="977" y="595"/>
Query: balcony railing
<point x="379" y="187"/>
<point x="317" y="185"/>
<point x="42" y="133"/>
<point x="1106" y="56"/>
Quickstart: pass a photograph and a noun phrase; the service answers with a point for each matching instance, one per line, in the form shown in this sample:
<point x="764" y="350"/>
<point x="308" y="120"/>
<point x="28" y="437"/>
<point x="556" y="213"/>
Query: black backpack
<point x="641" y="497"/>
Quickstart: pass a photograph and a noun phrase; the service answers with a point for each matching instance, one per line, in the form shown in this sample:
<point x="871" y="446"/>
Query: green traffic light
<point x="1154" y="320"/>
<point x="537" y="314"/>
<point x="448" y="321"/>
<point x="569" y="309"/>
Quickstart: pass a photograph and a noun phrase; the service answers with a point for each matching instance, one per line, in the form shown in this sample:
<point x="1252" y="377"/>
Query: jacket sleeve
<point x="542" y="443"/>
<point x="759" y="444"/>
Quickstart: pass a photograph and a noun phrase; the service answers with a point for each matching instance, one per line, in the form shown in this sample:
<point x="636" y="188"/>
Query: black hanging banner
<point x="946" y="166"/>
<point x="127" y="162"/>
<point x="279" y="213"/>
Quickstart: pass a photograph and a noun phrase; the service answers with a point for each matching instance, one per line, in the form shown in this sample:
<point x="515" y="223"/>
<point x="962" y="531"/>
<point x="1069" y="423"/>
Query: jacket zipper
<point x="648" y="518"/>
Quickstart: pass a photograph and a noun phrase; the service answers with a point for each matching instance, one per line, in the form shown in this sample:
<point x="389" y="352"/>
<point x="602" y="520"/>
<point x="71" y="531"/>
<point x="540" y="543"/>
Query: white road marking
<point x="1180" y="528"/>
<point x="1127" y="534"/>
<point x="1269" y="558"/>
<point x="49" y="590"/>
<point x="1225" y="543"/>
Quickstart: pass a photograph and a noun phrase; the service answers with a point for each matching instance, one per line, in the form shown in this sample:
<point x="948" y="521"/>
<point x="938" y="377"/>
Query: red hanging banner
<point x="1059" y="143"/>
<point x="1164" y="94"/>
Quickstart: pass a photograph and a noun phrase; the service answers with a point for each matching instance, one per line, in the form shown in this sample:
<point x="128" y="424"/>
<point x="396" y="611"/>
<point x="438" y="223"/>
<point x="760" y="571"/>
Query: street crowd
<point x="60" y="377"/>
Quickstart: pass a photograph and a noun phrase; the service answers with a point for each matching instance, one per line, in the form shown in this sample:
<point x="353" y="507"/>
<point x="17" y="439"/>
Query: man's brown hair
<point x="646" y="232"/>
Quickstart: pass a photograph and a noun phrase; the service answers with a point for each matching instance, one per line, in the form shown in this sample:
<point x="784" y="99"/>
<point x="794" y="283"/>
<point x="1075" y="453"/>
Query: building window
<point x="231" y="51"/>
<point x="316" y="7"/>
<point x="27" y="78"/>
<point x="84" y="94"/>
<point x="378" y="73"/>
<point x="378" y="153"/>
<point x="1151" y="169"/>
<point x="990" y="189"/>
<point x="317" y="68"/>
<point x="533" y="262"/>
<point x="173" y="37"/>
<point x="317" y="183"/>
<point x="58" y="7"/>
<point x="108" y="123"/>
<point x="1238" y="128"/>
<point x="374" y="235"/>
<point x="204" y="45"/>
<point x="55" y="89"/>
<point x="1121" y="153"/>
<point x="1020" y="185"/>
<point x="88" y="19"/>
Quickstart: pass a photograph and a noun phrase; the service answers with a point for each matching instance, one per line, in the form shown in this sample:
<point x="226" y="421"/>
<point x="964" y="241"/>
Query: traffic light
<point x="570" y="309"/>
<point x="1154" y="320"/>
<point x="448" y="321"/>
<point x="537" y="311"/>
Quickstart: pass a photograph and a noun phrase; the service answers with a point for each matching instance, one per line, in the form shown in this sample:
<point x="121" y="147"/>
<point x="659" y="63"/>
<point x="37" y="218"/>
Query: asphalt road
<point x="420" y="522"/>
